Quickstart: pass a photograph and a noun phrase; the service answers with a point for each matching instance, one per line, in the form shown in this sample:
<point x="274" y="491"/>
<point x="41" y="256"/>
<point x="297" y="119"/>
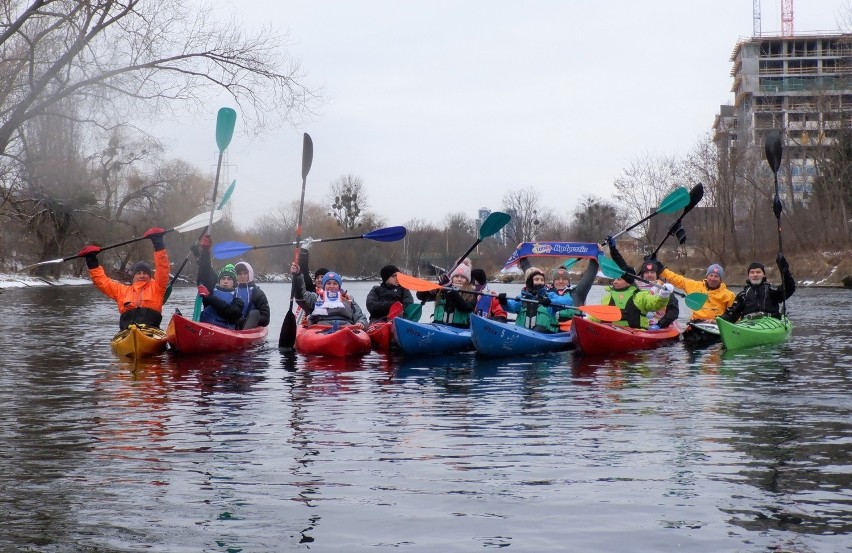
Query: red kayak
<point x="346" y="341"/>
<point x="187" y="336"/>
<point x="594" y="338"/>
<point x="381" y="335"/>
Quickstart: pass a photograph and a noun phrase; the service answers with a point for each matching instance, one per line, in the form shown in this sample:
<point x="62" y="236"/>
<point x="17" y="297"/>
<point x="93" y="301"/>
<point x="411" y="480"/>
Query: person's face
<point x="755" y="276"/>
<point x="459" y="280"/>
<point x="538" y="280"/>
<point x="332" y="286"/>
<point x="242" y="275"/>
<point x="318" y="282"/>
<point x="392" y="280"/>
<point x="619" y="283"/>
<point x="713" y="281"/>
<point x="649" y="275"/>
<point x="226" y="282"/>
<point x="141" y="276"/>
<point x="560" y="281"/>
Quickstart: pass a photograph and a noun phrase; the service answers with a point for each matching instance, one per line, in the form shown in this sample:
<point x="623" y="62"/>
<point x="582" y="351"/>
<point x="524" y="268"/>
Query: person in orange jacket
<point x="141" y="301"/>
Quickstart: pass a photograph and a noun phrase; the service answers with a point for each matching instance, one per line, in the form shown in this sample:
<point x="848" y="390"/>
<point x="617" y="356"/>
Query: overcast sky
<point x="444" y="106"/>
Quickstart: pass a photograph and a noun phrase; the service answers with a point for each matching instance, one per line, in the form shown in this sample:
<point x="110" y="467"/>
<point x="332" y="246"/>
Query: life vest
<point x="249" y="294"/>
<point x="623" y="299"/>
<point x="209" y="314"/>
<point x="532" y="315"/>
<point x="448" y="314"/>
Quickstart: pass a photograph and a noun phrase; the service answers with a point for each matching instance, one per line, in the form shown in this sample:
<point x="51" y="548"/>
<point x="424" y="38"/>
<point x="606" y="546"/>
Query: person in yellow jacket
<point x="719" y="298"/>
<point x="141" y="301"/>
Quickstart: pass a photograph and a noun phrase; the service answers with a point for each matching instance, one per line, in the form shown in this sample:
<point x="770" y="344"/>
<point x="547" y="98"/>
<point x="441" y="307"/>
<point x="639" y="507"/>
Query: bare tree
<point x="594" y="219"/>
<point x="528" y="215"/>
<point x="350" y="202"/>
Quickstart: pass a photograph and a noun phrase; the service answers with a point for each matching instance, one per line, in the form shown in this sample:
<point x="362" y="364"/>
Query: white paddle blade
<point x="199" y="221"/>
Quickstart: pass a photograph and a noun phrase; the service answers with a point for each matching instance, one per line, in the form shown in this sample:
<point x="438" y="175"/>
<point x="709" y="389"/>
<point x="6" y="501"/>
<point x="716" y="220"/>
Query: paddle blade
<point x="395" y="311"/>
<point x="774" y="148"/>
<point x="196" y="309"/>
<point x="493" y="224"/>
<point x="413" y="312"/>
<point x="605" y="313"/>
<point x="287" y="339"/>
<point x="695" y="300"/>
<point x="40" y="263"/>
<point x="199" y="221"/>
<point x="570" y="263"/>
<point x="695" y="196"/>
<point x="225" y="250"/>
<point x="225" y="121"/>
<point x="417" y="284"/>
<point x="307" y="155"/>
<point x="389" y="234"/>
<point x="676" y="200"/>
<point x="227" y="195"/>
<point x="609" y="268"/>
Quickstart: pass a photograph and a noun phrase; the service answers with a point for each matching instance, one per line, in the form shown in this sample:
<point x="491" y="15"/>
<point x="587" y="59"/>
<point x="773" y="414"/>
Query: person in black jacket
<point x="759" y="296"/>
<point x="665" y="317"/>
<point x="384" y="295"/>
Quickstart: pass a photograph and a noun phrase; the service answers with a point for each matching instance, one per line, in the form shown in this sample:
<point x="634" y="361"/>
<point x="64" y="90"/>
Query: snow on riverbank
<point x="26" y="281"/>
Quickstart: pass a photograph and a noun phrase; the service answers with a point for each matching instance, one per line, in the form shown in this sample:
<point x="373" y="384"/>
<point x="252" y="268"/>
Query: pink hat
<point x="463" y="270"/>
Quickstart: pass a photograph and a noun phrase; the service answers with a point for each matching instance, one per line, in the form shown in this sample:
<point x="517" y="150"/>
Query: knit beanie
<point x="478" y="277"/>
<point x="757" y="265"/>
<point x="331" y="275"/>
<point x="141" y="266"/>
<point x="561" y="272"/>
<point x="463" y="269"/>
<point x="650" y="266"/>
<point x="717" y="269"/>
<point x="629" y="274"/>
<point x="320" y="272"/>
<point x="388" y="271"/>
<point x="228" y="270"/>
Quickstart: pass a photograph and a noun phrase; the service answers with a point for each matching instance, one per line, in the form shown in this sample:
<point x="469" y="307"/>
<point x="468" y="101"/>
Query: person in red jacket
<point x="141" y="301"/>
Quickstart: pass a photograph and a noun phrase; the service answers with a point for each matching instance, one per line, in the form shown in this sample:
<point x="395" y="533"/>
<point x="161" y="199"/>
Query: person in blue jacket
<point x="542" y="314"/>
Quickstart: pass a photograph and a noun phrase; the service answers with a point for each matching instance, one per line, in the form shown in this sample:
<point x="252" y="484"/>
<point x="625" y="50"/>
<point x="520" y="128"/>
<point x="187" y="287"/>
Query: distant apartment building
<point x="801" y="84"/>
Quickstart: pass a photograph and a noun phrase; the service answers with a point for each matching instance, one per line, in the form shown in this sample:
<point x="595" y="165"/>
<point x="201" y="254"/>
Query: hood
<point x="248" y="267"/>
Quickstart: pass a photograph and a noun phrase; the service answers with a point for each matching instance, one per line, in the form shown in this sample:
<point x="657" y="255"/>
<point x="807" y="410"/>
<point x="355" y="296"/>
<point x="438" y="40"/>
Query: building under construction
<point x="801" y="84"/>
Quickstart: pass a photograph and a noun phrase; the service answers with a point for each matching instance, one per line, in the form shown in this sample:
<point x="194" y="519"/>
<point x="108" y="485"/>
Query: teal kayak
<point x="754" y="331"/>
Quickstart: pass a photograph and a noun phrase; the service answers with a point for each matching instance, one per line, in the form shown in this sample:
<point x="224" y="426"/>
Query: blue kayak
<point x="496" y="339"/>
<point x="422" y="338"/>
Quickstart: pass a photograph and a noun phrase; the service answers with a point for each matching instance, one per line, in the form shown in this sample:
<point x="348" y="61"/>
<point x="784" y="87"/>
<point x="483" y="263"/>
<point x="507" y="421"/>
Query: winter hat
<point x="141" y="266"/>
<point x="247" y="267"/>
<point x="650" y="266"/>
<point x="629" y="275"/>
<point x="331" y="275"/>
<point x="757" y="265"/>
<point x="716" y="269"/>
<point x="478" y="277"/>
<point x="320" y="272"/>
<point x="528" y="276"/>
<point x="561" y="272"/>
<point x="463" y="270"/>
<point x="388" y="271"/>
<point x="228" y="270"/>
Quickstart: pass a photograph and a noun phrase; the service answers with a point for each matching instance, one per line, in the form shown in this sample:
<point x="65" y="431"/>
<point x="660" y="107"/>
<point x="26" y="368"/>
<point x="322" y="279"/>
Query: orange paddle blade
<point x="416" y="284"/>
<point x="606" y="313"/>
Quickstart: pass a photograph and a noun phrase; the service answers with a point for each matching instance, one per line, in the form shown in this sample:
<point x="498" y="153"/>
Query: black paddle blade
<point x="773" y="147"/>
<point x="776" y="207"/>
<point x="695" y="196"/>
<point x="288" y="330"/>
<point x="681" y="235"/>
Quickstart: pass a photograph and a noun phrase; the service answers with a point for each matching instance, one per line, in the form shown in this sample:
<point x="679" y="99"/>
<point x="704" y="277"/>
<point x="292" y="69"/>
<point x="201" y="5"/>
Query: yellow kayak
<point x="137" y="341"/>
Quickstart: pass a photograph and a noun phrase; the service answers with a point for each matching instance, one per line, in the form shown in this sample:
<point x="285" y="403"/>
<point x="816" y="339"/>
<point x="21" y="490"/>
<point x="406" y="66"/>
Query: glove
<point x="203" y="291"/>
<point x="501" y="298"/>
<point x="89" y="250"/>
<point x="610" y="241"/>
<point x="443" y="279"/>
<point x="544" y="300"/>
<point x="306" y="244"/>
<point x="156" y="236"/>
<point x="783" y="266"/>
<point x="653" y="327"/>
<point x="205" y="243"/>
<point x="666" y="290"/>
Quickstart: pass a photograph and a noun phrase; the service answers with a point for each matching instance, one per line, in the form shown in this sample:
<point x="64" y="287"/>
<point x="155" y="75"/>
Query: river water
<point x="670" y="450"/>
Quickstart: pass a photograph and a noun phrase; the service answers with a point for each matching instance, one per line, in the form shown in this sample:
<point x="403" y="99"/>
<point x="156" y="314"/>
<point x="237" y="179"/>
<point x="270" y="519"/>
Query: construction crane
<point x="786" y="18"/>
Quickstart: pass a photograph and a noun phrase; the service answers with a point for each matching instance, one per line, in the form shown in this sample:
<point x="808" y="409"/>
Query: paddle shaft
<point x="774" y="150"/>
<point x="695" y="196"/>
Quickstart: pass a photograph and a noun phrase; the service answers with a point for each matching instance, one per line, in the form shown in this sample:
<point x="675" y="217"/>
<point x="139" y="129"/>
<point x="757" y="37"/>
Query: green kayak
<point x="754" y="331"/>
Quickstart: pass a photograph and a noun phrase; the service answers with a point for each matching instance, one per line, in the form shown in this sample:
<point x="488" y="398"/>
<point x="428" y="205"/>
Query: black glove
<point x="610" y="241"/>
<point x="544" y="300"/>
<point x="501" y="298"/>
<point x="90" y="254"/>
<point x="156" y="236"/>
<point x="781" y="261"/>
<point x="443" y="279"/>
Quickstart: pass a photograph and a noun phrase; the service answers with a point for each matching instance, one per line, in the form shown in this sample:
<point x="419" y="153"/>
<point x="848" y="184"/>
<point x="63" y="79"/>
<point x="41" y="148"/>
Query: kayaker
<point x="382" y="296"/>
<point x="452" y="306"/>
<point x="760" y="297"/>
<point x="222" y="307"/>
<point x="487" y="306"/>
<point x="543" y="314"/>
<point x="561" y="283"/>
<point x="256" y="306"/>
<point x="719" y="298"/>
<point x="141" y="301"/>
<point x="335" y="305"/>
<point x="635" y="303"/>
<point x="664" y="317"/>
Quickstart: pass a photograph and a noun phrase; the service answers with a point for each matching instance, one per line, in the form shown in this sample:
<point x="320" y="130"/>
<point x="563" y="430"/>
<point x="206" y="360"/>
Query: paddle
<point x="195" y="223"/>
<point x="676" y="200"/>
<point x="610" y="269"/>
<point x="676" y="229"/>
<point x="607" y="313"/>
<point x="226" y="250"/>
<point x="413" y="312"/>
<point x="490" y="226"/>
<point x="287" y="338"/>
<point x="774" y="148"/>
<point x="225" y="121"/>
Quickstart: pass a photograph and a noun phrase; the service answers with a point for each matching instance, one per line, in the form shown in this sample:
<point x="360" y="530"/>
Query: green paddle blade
<point x="675" y="201"/>
<point x="227" y="195"/>
<point x="609" y="268"/>
<point x="493" y="223"/>
<point x="570" y="263"/>
<point x="695" y="300"/>
<point x="196" y="309"/>
<point x="413" y="312"/>
<point x="225" y="121"/>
